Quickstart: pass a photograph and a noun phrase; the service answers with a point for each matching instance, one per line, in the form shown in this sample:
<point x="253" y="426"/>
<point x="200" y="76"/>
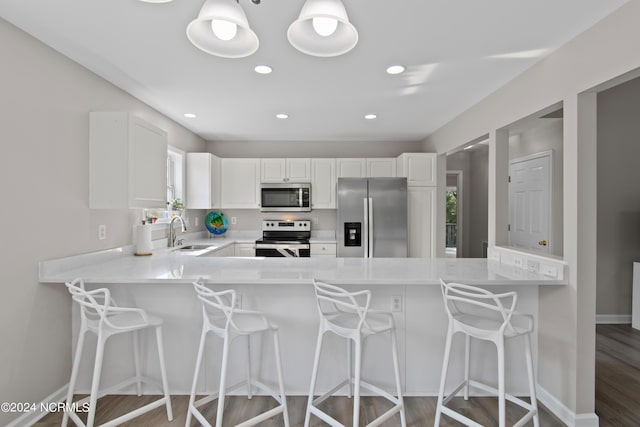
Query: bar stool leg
<point x="532" y="380"/>
<point x="314" y="377"/>
<point x="501" y="396"/>
<point x="74" y="377"/>
<point x="95" y="382"/>
<point x="443" y="376"/>
<point x="136" y="362"/>
<point x="396" y="371"/>
<point x="223" y="379"/>
<point x="163" y="372"/>
<point x="194" y="385"/>
<point x="356" y="383"/>
<point x="349" y="371"/>
<point x="283" y="397"/>
<point x="249" y="388"/>
<point x="467" y="357"/>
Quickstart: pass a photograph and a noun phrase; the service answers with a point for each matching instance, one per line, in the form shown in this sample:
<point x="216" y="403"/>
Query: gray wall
<point x="618" y="196"/>
<point x="545" y="135"/>
<point x="312" y="148"/>
<point x="45" y="103"/>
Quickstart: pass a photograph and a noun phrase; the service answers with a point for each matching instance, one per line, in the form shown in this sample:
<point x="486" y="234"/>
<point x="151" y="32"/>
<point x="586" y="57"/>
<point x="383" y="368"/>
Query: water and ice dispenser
<point x="353" y="234"/>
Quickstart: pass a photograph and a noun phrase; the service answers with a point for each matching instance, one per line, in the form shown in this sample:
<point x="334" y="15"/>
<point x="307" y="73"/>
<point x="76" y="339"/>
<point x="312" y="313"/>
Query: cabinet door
<point x="419" y="168"/>
<point x="421" y="204"/>
<point x="203" y="181"/>
<point x="351" y="168"/>
<point x="240" y="183"/>
<point x="273" y="170"/>
<point x="298" y="170"/>
<point x="148" y="165"/>
<point x="381" y="167"/>
<point x="323" y="250"/>
<point x="245" y="250"/>
<point x="323" y="183"/>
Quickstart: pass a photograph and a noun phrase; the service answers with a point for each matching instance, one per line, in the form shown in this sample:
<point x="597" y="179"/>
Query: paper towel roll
<point x="143" y="240"/>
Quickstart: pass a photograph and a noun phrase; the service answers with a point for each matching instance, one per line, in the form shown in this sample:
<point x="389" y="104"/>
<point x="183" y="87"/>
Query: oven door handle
<point x="279" y="246"/>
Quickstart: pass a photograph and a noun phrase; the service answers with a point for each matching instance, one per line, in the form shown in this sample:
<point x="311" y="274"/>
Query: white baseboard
<point x="566" y="415"/>
<point x="613" y="319"/>
<point x="30" y="418"/>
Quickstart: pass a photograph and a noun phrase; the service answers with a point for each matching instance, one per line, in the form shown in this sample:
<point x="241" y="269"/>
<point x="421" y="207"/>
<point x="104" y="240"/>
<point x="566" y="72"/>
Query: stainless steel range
<point x="284" y="239"/>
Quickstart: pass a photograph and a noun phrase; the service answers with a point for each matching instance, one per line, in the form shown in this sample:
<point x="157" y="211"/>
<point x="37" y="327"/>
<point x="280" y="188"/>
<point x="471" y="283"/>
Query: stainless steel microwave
<point x="286" y="197"/>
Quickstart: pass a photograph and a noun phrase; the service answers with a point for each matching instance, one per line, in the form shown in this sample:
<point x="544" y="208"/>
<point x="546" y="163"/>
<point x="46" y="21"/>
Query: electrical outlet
<point x="517" y="261"/>
<point x="533" y="266"/>
<point x="315" y="220"/>
<point x="102" y="232"/>
<point x="549" y="270"/>
<point x="196" y="221"/>
<point x="396" y="303"/>
<point x="238" y="301"/>
<point x="234" y="220"/>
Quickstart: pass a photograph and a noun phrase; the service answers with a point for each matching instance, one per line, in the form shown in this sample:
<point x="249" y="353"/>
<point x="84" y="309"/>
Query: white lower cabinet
<point x="421" y="207"/>
<point x="245" y="249"/>
<point x="323" y="250"/>
<point x="226" y="251"/>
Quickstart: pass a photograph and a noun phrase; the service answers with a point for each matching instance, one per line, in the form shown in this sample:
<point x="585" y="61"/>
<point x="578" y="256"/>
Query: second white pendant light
<point x="323" y="29"/>
<point x="222" y="29"/>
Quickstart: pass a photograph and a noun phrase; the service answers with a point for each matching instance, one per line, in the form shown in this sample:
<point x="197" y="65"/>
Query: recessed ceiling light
<point x="395" y="69"/>
<point x="263" y="69"/>
<point x="190" y="115"/>
<point x="282" y="116"/>
<point x="370" y="116"/>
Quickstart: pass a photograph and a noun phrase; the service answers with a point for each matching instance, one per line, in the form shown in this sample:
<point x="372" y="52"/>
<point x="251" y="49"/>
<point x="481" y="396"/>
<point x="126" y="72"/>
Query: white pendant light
<point x="222" y="29"/>
<point x="323" y="29"/>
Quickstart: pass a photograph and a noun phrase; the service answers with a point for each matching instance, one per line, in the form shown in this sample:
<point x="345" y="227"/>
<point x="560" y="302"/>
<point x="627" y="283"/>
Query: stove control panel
<point x="277" y="225"/>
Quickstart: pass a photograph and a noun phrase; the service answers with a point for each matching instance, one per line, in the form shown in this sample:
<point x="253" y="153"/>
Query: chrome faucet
<point x="172" y="232"/>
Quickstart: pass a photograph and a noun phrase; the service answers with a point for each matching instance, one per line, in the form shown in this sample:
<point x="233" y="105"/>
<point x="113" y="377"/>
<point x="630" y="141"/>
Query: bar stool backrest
<point x="217" y="306"/>
<point x="466" y="304"/>
<point x="333" y="300"/>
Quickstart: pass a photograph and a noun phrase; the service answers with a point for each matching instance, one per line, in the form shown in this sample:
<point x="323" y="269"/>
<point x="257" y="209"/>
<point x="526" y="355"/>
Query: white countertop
<point x="171" y="266"/>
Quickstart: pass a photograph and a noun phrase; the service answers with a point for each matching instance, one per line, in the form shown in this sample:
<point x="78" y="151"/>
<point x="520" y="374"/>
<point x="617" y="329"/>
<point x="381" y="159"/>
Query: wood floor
<point x="617" y="397"/>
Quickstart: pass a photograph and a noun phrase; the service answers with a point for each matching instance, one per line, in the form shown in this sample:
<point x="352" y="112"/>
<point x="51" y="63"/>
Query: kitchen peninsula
<point x="281" y="287"/>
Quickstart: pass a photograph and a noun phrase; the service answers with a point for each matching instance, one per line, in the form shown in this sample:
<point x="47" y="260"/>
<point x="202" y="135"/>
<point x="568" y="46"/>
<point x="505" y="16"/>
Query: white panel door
<point x="299" y="170"/>
<point x="272" y="170"/>
<point x="323" y="183"/>
<point x="530" y="203"/>
<point x="240" y="183"/>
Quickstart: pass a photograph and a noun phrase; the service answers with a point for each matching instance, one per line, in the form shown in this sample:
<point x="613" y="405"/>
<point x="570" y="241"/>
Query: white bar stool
<point x="220" y="316"/>
<point x="478" y="313"/>
<point x="347" y="314"/>
<point x="100" y="315"/>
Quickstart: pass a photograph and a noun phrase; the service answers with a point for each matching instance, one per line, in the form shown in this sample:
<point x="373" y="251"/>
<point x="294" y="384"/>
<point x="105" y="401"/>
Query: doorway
<point x="454" y="213"/>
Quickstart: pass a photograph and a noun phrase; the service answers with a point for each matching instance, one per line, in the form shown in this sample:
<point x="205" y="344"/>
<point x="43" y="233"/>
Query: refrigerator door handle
<point x="370" y="231"/>
<point x="365" y="232"/>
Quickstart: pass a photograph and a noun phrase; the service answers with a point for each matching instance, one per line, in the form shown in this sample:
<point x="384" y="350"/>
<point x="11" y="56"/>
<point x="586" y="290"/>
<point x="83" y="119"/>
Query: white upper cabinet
<point x="285" y="170"/>
<point x="323" y="183"/>
<point x="420" y="169"/>
<point x="240" y="183"/>
<point x="203" y="181"/>
<point x="381" y="167"/>
<point x="127" y="162"/>
<point x="351" y="168"/>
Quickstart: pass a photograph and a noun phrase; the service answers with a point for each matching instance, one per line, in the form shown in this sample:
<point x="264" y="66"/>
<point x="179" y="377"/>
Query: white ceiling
<point x="456" y="52"/>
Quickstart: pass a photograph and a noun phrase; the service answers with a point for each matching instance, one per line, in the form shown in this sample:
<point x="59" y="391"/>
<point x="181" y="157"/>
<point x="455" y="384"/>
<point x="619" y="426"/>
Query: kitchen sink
<point x="195" y="247"/>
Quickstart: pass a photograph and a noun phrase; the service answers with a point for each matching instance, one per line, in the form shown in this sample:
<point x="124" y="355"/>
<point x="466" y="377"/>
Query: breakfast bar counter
<point x="282" y="288"/>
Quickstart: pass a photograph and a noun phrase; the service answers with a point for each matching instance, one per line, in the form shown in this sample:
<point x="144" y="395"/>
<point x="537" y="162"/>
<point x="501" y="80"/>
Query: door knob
<point x="542" y="243"/>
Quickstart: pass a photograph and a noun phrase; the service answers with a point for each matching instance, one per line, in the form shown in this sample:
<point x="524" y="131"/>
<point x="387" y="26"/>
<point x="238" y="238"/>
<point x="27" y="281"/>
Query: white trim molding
<point x="613" y="319"/>
<point x="30" y="418"/>
<point x="566" y="415"/>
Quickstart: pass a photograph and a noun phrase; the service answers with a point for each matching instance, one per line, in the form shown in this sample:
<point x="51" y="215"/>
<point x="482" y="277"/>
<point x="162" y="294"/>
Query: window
<point x="175" y="174"/>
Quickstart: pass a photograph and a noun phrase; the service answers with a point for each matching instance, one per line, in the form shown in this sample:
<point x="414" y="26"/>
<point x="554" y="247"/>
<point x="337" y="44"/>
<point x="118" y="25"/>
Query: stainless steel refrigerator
<point x="372" y="217"/>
